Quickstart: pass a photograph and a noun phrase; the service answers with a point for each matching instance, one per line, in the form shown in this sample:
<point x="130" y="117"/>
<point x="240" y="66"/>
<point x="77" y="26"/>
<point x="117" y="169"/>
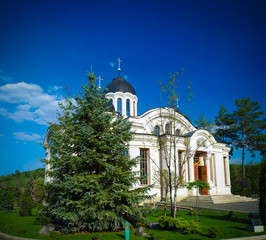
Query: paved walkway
<point x="4" y="236"/>
<point x="244" y="207"/>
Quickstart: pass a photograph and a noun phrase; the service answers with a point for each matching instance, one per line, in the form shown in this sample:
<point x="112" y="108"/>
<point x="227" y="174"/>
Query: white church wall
<point x="124" y="96"/>
<point x="221" y="187"/>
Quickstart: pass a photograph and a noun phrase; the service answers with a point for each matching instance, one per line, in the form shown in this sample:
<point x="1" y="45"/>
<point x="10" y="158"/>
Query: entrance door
<point x="200" y="172"/>
<point x="203" y="177"/>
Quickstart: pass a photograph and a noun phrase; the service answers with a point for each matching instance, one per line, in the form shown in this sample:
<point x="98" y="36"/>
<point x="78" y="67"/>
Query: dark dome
<point x="119" y="85"/>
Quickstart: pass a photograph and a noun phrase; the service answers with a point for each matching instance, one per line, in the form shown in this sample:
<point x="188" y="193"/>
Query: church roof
<point x="119" y="85"/>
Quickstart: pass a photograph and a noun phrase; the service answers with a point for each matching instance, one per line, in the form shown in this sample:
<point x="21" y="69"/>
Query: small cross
<point x="119" y="61"/>
<point x="100" y="79"/>
<point x="177" y="100"/>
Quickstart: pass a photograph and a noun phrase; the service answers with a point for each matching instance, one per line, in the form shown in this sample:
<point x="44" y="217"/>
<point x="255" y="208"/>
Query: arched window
<point x="128" y="107"/>
<point x="167" y="129"/>
<point x="177" y="132"/>
<point x="157" y="130"/>
<point x="119" y="105"/>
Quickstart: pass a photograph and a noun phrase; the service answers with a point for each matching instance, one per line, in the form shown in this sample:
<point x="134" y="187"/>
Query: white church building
<point x="197" y="154"/>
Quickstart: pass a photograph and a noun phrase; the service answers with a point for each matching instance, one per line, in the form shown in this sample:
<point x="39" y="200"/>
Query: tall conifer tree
<point x="92" y="187"/>
<point x="243" y="128"/>
<point x="248" y="126"/>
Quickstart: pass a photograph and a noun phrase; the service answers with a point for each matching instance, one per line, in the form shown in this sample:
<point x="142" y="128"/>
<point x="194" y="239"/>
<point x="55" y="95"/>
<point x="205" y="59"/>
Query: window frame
<point x="128" y="107"/>
<point x="144" y="166"/>
<point x="119" y="105"/>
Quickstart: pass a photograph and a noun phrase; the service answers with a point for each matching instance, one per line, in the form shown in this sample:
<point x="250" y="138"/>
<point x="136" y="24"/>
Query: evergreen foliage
<point x="13" y="186"/>
<point x="243" y="128"/>
<point x="248" y="127"/>
<point x="204" y="123"/>
<point x="92" y="187"/>
<point x="26" y="205"/>
<point x="262" y="204"/>
<point x="179" y="224"/>
<point x="249" y="186"/>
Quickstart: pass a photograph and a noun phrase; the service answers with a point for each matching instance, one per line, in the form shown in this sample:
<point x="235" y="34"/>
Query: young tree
<point x="199" y="185"/>
<point x="92" y="186"/>
<point x="161" y="177"/>
<point x="247" y="126"/>
<point x="168" y="140"/>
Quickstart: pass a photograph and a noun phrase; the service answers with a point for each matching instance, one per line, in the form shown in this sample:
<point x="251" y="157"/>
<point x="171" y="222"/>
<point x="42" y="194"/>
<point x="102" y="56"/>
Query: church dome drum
<point x="119" y="85"/>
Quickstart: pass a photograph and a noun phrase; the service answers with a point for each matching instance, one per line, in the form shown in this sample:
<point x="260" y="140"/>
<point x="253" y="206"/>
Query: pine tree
<point x="204" y="123"/>
<point x="248" y="127"/>
<point x="92" y="187"/>
<point x="225" y="128"/>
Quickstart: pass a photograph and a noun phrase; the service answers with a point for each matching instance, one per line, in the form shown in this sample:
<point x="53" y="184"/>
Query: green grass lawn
<point x="13" y="224"/>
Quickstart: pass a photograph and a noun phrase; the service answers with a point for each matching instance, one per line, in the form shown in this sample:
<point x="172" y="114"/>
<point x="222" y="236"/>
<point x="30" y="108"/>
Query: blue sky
<point x="48" y="45"/>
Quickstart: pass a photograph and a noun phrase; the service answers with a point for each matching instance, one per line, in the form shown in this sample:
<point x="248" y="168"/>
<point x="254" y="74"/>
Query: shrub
<point x="96" y="236"/>
<point x="26" y="206"/>
<point x="191" y="212"/>
<point x="213" y="232"/>
<point x="54" y="234"/>
<point x="153" y="236"/>
<point x="141" y="224"/>
<point x="232" y="214"/>
<point x="179" y="224"/>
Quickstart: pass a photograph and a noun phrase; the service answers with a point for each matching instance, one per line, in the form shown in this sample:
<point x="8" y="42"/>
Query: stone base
<point x="255" y="229"/>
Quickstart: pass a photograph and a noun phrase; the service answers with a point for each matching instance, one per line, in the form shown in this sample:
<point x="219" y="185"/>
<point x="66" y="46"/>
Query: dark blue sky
<point x="47" y="45"/>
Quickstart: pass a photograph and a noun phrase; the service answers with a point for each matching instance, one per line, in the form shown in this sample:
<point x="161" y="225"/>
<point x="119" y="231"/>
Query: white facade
<point x="213" y="156"/>
<point x="198" y="154"/>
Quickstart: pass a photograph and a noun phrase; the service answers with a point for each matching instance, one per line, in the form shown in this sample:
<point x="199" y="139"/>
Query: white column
<point x="191" y="169"/>
<point x="186" y="169"/>
<point x="227" y="171"/>
<point x="124" y="108"/>
<point x="207" y="163"/>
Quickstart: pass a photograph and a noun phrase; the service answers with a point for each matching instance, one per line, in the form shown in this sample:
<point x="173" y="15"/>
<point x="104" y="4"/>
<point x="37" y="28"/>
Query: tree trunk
<point x="243" y="150"/>
<point x="165" y="202"/>
<point x="171" y="190"/>
<point x="175" y="194"/>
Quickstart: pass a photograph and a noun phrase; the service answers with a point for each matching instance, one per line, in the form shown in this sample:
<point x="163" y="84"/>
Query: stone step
<point x="218" y="199"/>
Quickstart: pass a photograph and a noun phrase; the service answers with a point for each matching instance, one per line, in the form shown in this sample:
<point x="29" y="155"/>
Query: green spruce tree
<point x="248" y="127"/>
<point x="92" y="186"/>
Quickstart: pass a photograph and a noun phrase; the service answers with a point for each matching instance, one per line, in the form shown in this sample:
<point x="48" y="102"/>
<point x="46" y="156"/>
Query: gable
<point x="161" y="117"/>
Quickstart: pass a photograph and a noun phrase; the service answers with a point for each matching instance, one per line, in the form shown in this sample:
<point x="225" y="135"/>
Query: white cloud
<point x="54" y="88"/>
<point x="30" y="102"/>
<point x="27" y="137"/>
<point x="5" y="77"/>
<point x="112" y="64"/>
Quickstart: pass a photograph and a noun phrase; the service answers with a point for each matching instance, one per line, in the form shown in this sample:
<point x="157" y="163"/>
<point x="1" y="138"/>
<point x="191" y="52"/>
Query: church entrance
<point x="200" y="172"/>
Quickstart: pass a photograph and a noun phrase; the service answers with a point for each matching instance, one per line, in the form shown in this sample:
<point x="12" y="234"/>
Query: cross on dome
<point x="100" y="79"/>
<point x="119" y="61"/>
